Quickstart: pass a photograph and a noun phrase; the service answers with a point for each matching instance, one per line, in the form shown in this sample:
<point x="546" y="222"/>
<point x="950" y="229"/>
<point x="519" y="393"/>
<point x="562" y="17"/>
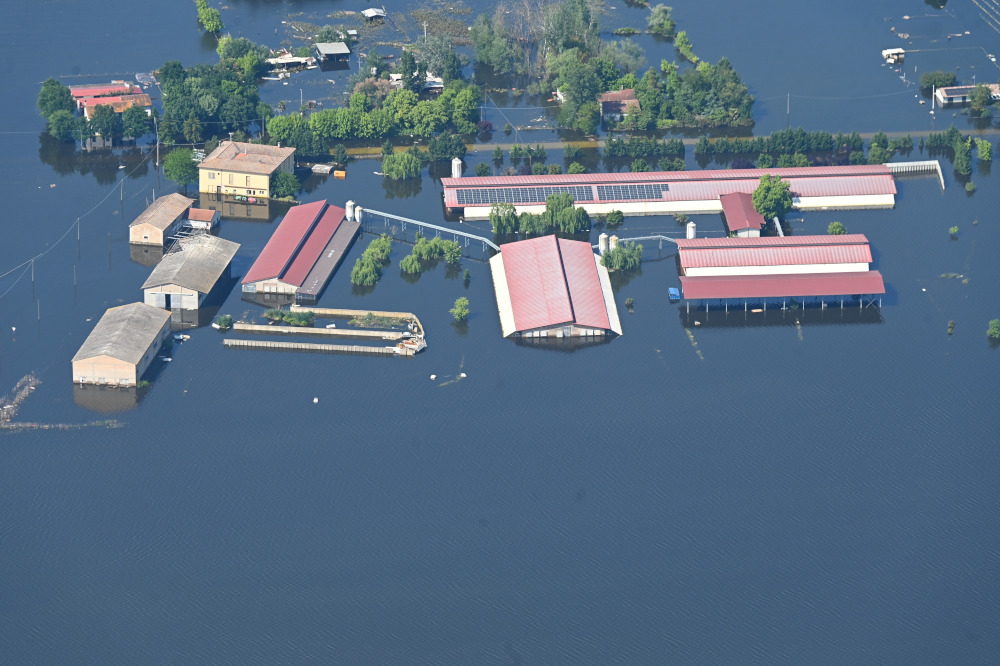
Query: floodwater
<point x="814" y="489"/>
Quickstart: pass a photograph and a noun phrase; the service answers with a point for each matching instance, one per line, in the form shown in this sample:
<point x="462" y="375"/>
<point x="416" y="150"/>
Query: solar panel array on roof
<point x="521" y="195"/>
<point x="631" y="192"/>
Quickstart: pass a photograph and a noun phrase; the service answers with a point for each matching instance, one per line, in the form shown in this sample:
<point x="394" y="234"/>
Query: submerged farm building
<point x="549" y="287"/>
<point x="741" y="217"/>
<point x="303" y="252"/>
<point x="756" y="269"/>
<point x="188" y="272"/>
<point x="672" y="192"/>
<point x="122" y="345"/>
<point x="243" y="169"/>
<point x="165" y="217"/>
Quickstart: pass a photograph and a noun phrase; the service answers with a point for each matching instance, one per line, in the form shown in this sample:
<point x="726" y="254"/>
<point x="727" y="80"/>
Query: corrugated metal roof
<point x="311" y="250"/>
<point x="538" y="292"/>
<point x="783" y="286"/>
<point x="776" y="256"/>
<point x="202" y="214"/>
<point x="95" y="89"/>
<point x="585" y="293"/>
<point x="740" y="213"/>
<point x="195" y="263"/>
<point x="286" y="240"/>
<point x="772" y="241"/>
<point x="164" y="211"/>
<point x="124" y="333"/>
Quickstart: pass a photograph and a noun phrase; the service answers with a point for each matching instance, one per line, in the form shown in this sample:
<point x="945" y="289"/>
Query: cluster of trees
<point x="559" y="215"/>
<point x="401" y="112"/>
<point x="626" y="256"/>
<point x="937" y="79"/>
<point x="290" y="318"/>
<point x="205" y="101"/>
<point x="773" y="197"/>
<point x="429" y="250"/>
<point x="783" y="141"/>
<point x="460" y="310"/>
<point x="209" y="18"/>
<point x="962" y="147"/>
<point x="284" y="184"/>
<point x="661" y="22"/>
<point x="180" y="167"/>
<point x="836" y="229"/>
<point x="640" y="147"/>
<point x="367" y="269"/>
<point x="401" y="166"/>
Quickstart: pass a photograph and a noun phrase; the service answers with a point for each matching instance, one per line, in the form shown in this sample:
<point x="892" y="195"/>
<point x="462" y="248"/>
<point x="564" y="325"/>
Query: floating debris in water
<point x="315" y="400"/>
<point x="433" y="377"/>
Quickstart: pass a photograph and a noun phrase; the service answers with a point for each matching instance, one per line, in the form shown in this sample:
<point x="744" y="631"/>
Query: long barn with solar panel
<point x="672" y="192"/>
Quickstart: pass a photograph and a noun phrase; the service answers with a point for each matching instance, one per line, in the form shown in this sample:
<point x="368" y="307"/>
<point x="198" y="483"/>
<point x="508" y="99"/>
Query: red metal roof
<point x="779" y="286"/>
<point x="585" y="293"/>
<point x="314" y="246"/>
<point x="285" y="242"/>
<point x="873" y="179"/>
<point x="772" y="241"/>
<point x="539" y="296"/>
<point x="202" y="214"/>
<point x="92" y="90"/>
<point x="740" y="213"/>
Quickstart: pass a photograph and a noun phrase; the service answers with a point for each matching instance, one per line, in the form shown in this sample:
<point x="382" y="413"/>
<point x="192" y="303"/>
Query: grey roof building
<point x="161" y="219"/>
<point x="122" y="345"/>
<point x="188" y="272"/>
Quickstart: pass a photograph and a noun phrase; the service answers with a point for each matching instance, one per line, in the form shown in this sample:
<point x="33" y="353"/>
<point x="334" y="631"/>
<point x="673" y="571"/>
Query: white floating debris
<point x="463" y="375"/>
<point x="315" y="400"/>
<point x="331" y="326"/>
<point x="922" y="289"/>
<point x="433" y="377"/>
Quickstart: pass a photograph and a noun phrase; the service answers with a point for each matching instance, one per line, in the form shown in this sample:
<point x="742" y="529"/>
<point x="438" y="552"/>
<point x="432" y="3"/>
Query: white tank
<point x="602" y="243"/>
<point x="357" y="213"/>
<point x="349" y="210"/>
<point x="456" y="168"/>
<point x="613" y="242"/>
<point x="691" y="228"/>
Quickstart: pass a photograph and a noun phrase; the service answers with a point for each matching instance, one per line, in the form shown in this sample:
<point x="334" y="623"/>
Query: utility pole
<point x="788" y="111"/>
<point x="157" y="128"/>
<point x="425" y="31"/>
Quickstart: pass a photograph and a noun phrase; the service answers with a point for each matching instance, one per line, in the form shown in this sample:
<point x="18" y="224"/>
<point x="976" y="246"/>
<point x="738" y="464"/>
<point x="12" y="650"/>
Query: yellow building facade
<point x="243" y="169"/>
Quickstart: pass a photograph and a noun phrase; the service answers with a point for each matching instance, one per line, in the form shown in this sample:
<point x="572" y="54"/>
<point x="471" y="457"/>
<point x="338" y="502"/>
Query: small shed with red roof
<point x="741" y="217"/>
<point x="303" y="252"/>
<point x="553" y="287"/>
<point x="618" y="104"/>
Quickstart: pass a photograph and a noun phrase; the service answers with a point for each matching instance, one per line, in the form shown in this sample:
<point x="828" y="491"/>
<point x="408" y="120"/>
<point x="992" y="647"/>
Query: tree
<point x="626" y="256"/>
<point x="401" y="166"/>
<point x="981" y="99"/>
<point x="773" y="197"/>
<point x="963" y="158"/>
<point x="984" y="150"/>
<point x="62" y="124"/>
<point x="483" y="169"/>
<point x="765" y="161"/>
<point x="460" y="311"/>
<point x="410" y="264"/>
<point x="192" y="129"/>
<point x="994" y="329"/>
<point x="638" y="166"/>
<point x="503" y="218"/>
<point x="615" y="218"/>
<point x="660" y="22"/>
<point x="53" y="97"/>
<point x="836" y="229"/>
<point x="180" y="167"/>
<point x="104" y="121"/>
<point x="452" y="252"/>
<point x="136" y="123"/>
<point x="340" y="154"/>
<point x="446" y="146"/>
<point x="284" y="184"/>
<point x="209" y="18"/>
<point x="576" y="167"/>
<point x="937" y="79"/>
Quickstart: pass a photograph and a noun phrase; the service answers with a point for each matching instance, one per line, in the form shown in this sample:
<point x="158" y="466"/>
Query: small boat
<point x="410" y="346"/>
<point x="378" y="173"/>
<point x="331" y="326"/>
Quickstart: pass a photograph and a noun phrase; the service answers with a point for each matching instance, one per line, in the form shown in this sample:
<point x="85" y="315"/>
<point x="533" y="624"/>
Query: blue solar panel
<point x="520" y="195"/>
<point x="644" y="191"/>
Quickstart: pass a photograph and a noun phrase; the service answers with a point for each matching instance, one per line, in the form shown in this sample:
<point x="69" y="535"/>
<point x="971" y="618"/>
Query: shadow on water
<point x="812" y="315"/>
<point x="105" y="164"/>
<point x="402" y="189"/>
<point x="566" y="345"/>
<point x="107" y="399"/>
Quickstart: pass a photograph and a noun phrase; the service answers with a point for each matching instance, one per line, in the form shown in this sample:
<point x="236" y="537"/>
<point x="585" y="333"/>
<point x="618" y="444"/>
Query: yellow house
<point x="243" y="169"/>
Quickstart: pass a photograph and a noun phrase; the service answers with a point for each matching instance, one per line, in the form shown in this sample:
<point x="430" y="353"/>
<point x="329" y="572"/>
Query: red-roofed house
<point x="552" y="287"/>
<point x="741" y="217"/>
<point x="618" y="104"/>
<point x="117" y="103"/>
<point x="303" y="252"/>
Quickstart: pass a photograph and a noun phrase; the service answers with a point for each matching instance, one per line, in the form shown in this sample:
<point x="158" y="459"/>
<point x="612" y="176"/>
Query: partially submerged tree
<point x="285" y="184"/>
<point x="773" y="197"/>
<point x="179" y="167"/>
<point x="53" y="97"/>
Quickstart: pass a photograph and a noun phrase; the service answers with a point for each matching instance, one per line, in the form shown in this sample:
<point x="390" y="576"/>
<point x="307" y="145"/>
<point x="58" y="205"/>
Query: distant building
<point x="742" y="218"/>
<point x="373" y="13"/>
<point x="549" y="287"/>
<point x="952" y="95"/>
<point x="162" y="219"/>
<point x="243" y="169"/>
<point x="672" y="192"/>
<point x="122" y="345"/>
<point x="333" y="50"/>
<point x="117" y="103"/>
<point x="617" y="104"/>
<point x="303" y="252"/>
<point x="102" y="90"/>
<point x="777" y="267"/>
<point x="188" y="272"/>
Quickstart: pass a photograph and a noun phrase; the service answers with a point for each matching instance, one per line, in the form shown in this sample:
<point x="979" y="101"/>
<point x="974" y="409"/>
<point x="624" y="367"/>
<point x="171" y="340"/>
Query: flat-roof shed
<point x="741" y="217"/>
<point x="303" y="252"/>
<point x="188" y="272"/>
<point x="334" y="50"/>
<point x="160" y="220"/>
<point x="122" y="345"/>
<point x="553" y="287"/>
